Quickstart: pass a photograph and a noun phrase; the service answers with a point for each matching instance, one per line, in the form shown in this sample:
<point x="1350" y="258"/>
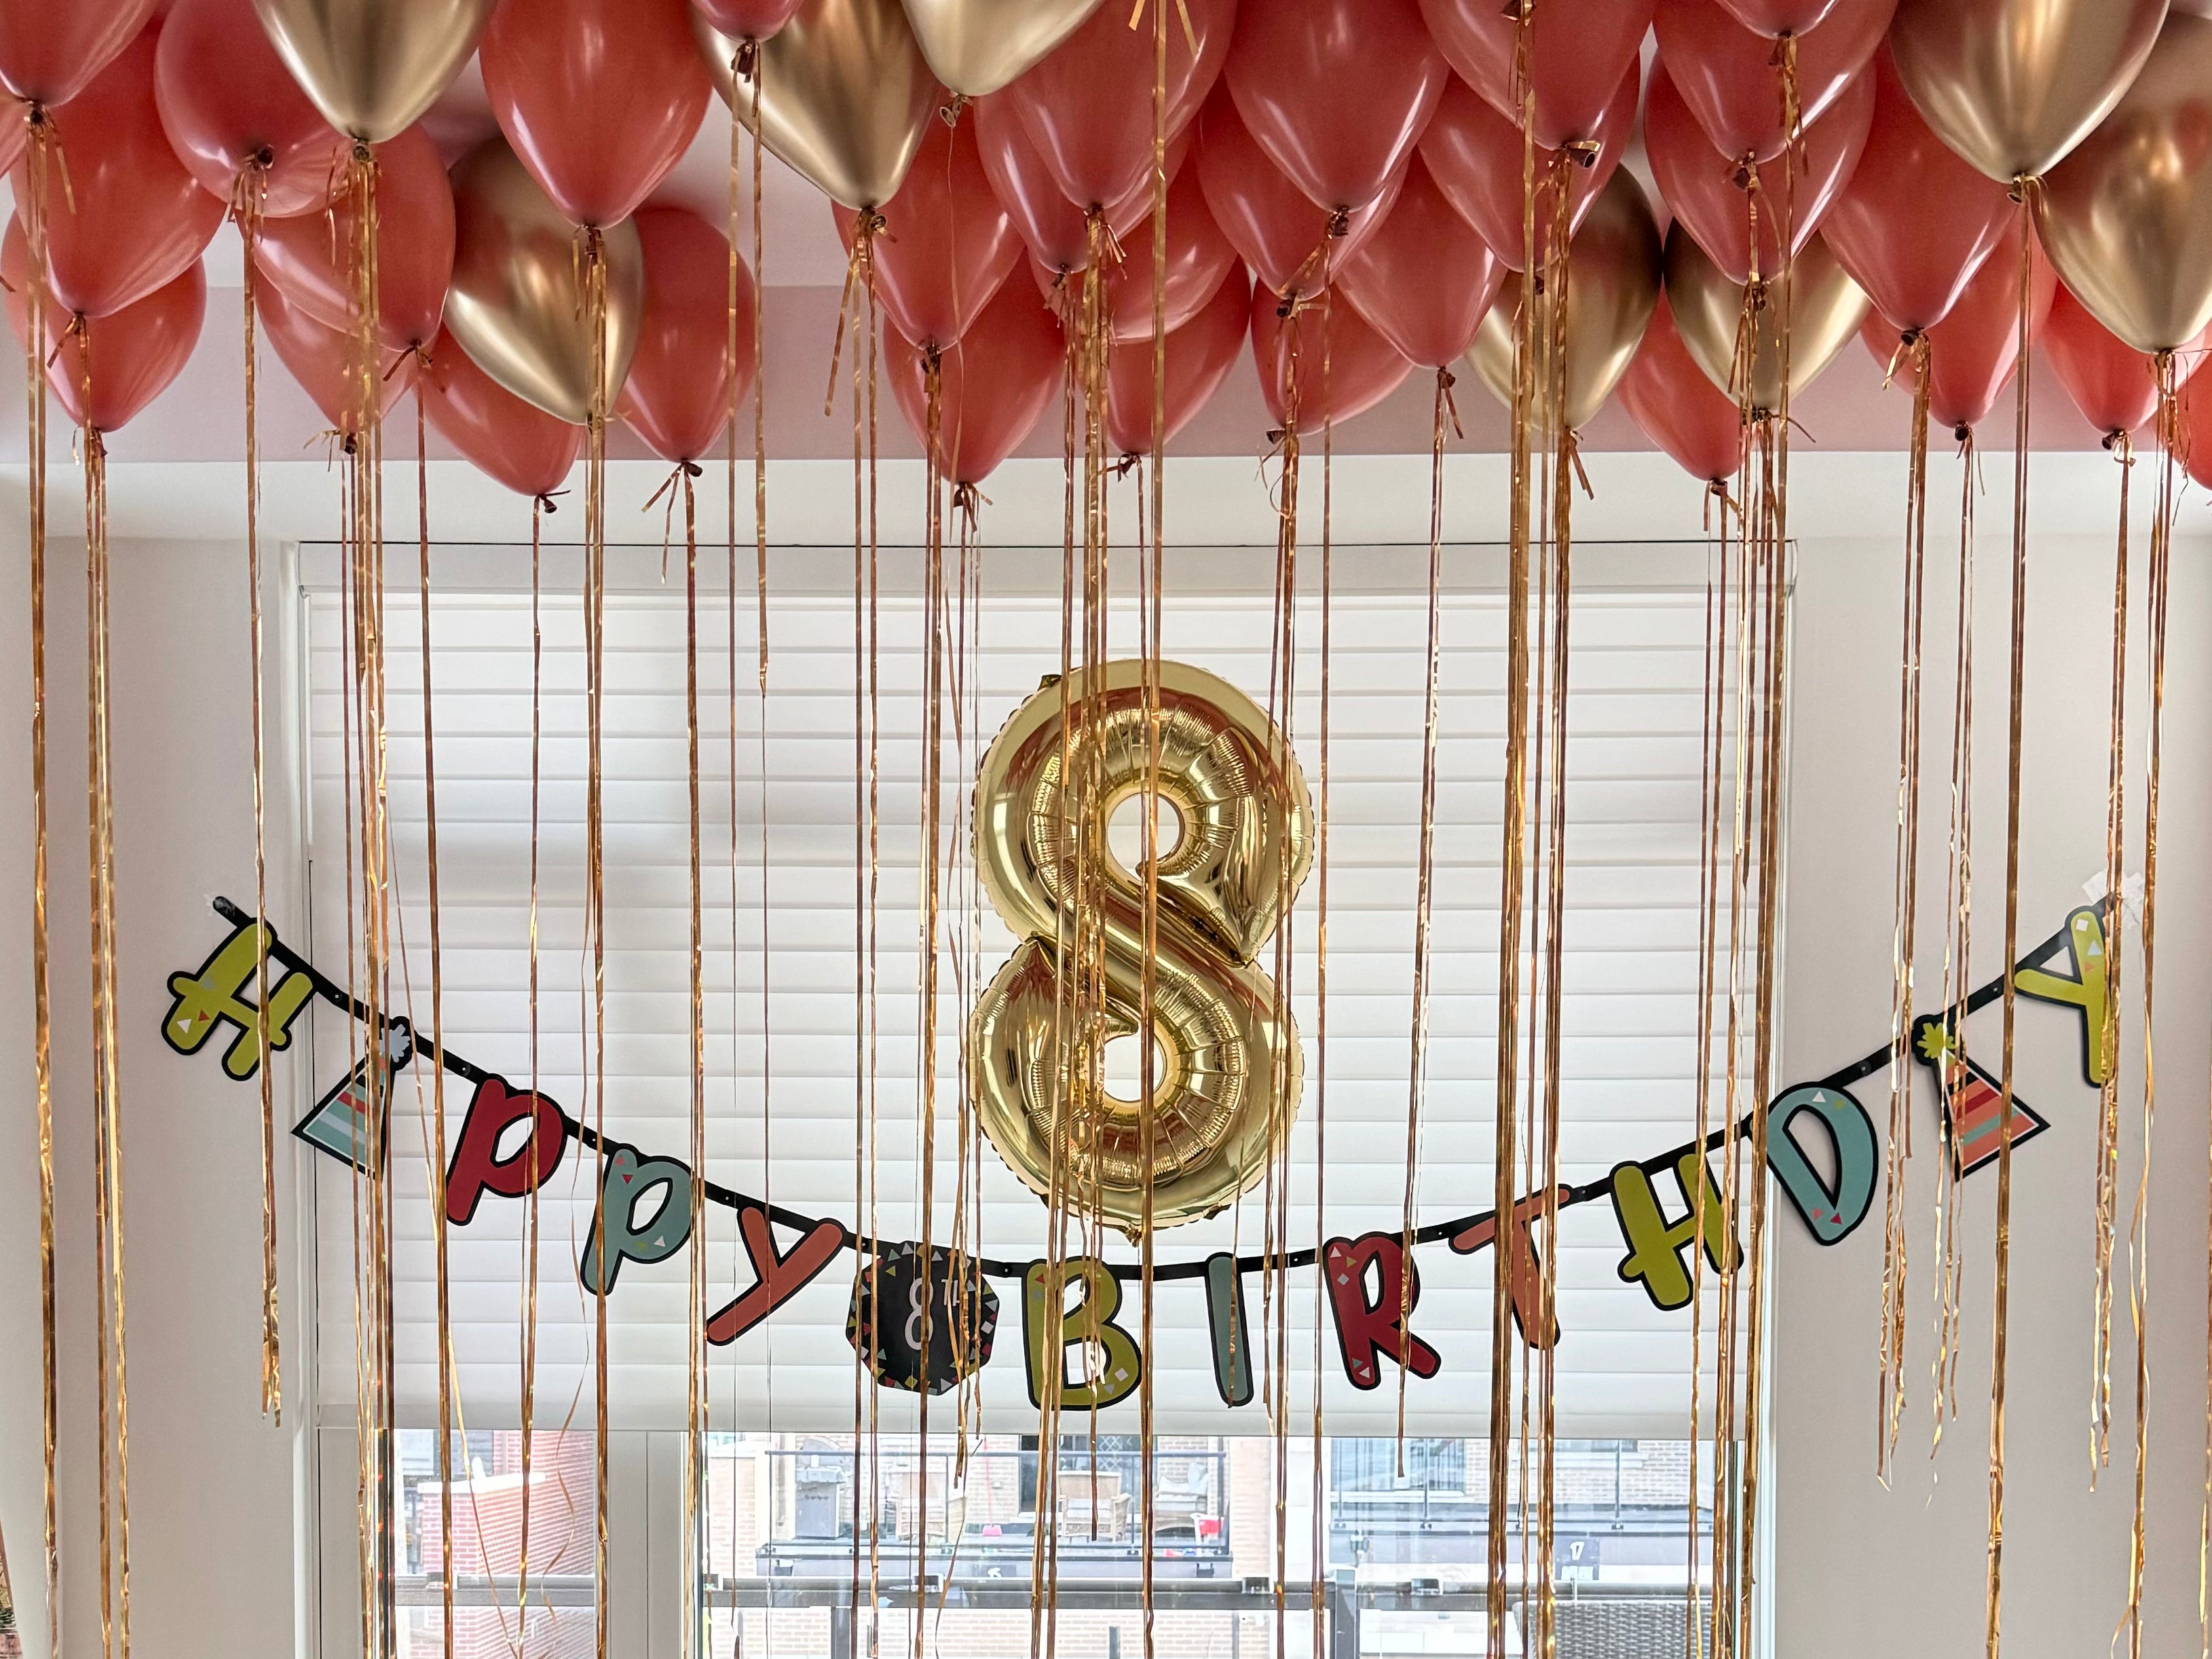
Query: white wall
<point x="1860" y="1570"/>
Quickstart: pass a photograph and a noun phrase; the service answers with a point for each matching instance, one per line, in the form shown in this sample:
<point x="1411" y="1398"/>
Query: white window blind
<point x="1629" y="1007"/>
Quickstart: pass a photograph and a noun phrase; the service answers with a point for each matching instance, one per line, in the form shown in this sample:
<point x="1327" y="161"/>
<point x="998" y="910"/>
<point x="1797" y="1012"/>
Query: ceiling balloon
<point x="231" y="108"/>
<point x="1200" y="355"/>
<point x="1199" y="257"/>
<point x="845" y="96"/>
<point x="1424" y="280"/>
<point x="1706" y="189"/>
<point x="327" y="363"/>
<point x="1678" y="407"/>
<point x="374" y="67"/>
<point x="993" y="386"/>
<point x="1086" y="106"/>
<point x="125" y="218"/>
<point x="1971" y="353"/>
<point x="2013" y="85"/>
<point x="2127" y="217"/>
<point x="104" y="372"/>
<point x="1377" y="76"/>
<point x="1731" y="76"/>
<point x="1056" y="231"/>
<point x="682" y="381"/>
<point x="1776" y="18"/>
<point x="517" y="304"/>
<point x="747" y="20"/>
<point x="1914" y="222"/>
<point x="1291" y="245"/>
<point x="413" y="255"/>
<point x="946" y="244"/>
<point x="1578" y="57"/>
<point x="1325" y="359"/>
<point x="1614" y="289"/>
<point x="50" y="49"/>
<point x="2114" y="385"/>
<point x="1826" y="308"/>
<point x="976" y="46"/>
<point x="1475" y="155"/>
<point x="517" y="443"/>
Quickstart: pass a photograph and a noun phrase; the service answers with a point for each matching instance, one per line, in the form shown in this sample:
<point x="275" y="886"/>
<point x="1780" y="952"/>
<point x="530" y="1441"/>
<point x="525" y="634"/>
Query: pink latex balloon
<point x="1700" y="184"/>
<point x="1200" y="355"/>
<point x="995" y="385"/>
<point x="1199" y="257"/>
<point x="307" y="257"/>
<point x="748" y="20"/>
<point x="1474" y="154"/>
<point x="1677" y="405"/>
<point x="1336" y="92"/>
<point x="227" y="100"/>
<point x="1915" y="222"/>
<point x="325" y="361"/>
<point x="682" y="380"/>
<point x="1971" y="353"/>
<point x="1776" y="18"/>
<point x="1083" y="108"/>
<point x="104" y="372"/>
<point x="1291" y="245"/>
<point x="51" y="49"/>
<point x="516" y="442"/>
<point x="2114" y="385"/>
<point x="946" y="243"/>
<point x="1423" y="279"/>
<point x="599" y="98"/>
<point x="1577" y="55"/>
<point x="130" y="219"/>
<point x="1344" y="368"/>
<point x="1729" y="77"/>
<point x="1055" y="228"/>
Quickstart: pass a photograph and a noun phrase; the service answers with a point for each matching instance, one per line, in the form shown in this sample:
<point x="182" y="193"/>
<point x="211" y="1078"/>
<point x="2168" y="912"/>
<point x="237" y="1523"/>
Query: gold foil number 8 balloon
<point x="1236" y="842"/>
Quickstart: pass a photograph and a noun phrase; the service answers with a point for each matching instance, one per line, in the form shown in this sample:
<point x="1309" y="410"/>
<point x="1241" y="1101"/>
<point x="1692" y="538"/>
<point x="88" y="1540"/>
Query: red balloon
<point x="1700" y="184"/>
<point x="1972" y="351"/>
<point x="134" y="353"/>
<point x="1199" y="356"/>
<point x="1776" y="18"/>
<point x="1084" y="108"/>
<point x="325" y="361"/>
<point x="129" y="219"/>
<point x="993" y="385"/>
<point x="50" y="49"/>
<point x="1055" y="228"/>
<point x="946" y="244"/>
<point x="1344" y="367"/>
<point x="305" y="256"/>
<point x="599" y="98"/>
<point x="1474" y="154"/>
<point x="1199" y="257"/>
<point x="1729" y="77"/>
<point x="1576" y="56"/>
<point x="226" y="99"/>
<point x="1336" y="92"/>
<point x="1915" y="221"/>
<point x="1283" y="236"/>
<point x="2196" y="416"/>
<point x="681" y="380"/>
<point x="2114" y="385"/>
<point x="748" y="20"/>
<point x="516" y="442"/>
<point x="1678" y="406"/>
<point x="1423" y="279"/>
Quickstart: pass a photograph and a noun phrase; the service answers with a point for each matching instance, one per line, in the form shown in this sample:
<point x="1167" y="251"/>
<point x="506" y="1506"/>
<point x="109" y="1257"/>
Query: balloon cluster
<point x="1413" y="159"/>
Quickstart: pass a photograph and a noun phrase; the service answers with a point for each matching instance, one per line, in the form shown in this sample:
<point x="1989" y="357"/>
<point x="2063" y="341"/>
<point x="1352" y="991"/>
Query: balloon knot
<point x="1963" y="433"/>
<point x="744" y="65"/>
<point x="1583" y="152"/>
<point x="1339" y="222"/>
<point x="950" y="113"/>
<point x="546" y="499"/>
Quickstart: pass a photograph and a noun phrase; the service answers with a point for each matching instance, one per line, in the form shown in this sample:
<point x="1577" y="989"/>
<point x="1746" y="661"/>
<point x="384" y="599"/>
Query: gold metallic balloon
<point x="2013" y="85"/>
<point x="372" y="67"/>
<point x="1613" y="289"/>
<point x="845" y="97"/>
<point x="517" y="304"/>
<point x="1237" y="844"/>
<point x="976" y="46"/>
<point x="1825" y="309"/>
<point x="2127" y="218"/>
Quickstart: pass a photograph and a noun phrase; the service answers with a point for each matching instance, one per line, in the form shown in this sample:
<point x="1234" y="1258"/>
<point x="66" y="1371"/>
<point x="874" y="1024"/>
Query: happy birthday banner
<point x="922" y="1321"/>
